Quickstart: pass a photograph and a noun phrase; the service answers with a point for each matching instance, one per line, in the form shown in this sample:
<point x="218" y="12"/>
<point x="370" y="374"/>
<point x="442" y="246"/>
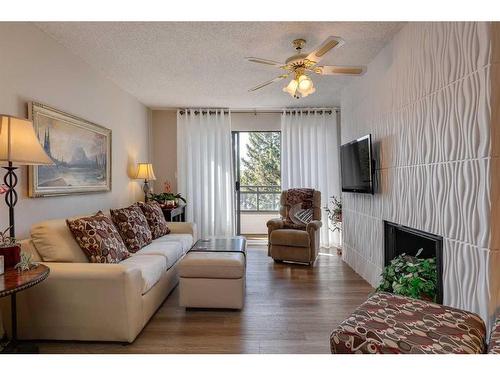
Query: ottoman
<point x="388" y="323"/>
<point x="214" y="277"/>
<point x="494" y="346"/>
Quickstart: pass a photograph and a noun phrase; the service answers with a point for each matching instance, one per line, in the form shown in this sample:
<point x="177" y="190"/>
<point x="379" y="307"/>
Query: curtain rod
<point x="209" y="111"/>
<point x="307" y="110"/>
<point x="268" y="111"/>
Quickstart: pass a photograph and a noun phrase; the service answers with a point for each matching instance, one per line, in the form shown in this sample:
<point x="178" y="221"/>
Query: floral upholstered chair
<point x="295" y="236"/>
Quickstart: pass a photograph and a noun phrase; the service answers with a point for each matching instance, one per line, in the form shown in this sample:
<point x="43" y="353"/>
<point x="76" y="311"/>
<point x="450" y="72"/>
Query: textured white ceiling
<point x="201" y="64"/>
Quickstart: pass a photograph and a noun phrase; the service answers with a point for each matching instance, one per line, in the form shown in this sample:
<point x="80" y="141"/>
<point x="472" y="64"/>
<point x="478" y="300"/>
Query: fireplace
<point x="399" y="239"/>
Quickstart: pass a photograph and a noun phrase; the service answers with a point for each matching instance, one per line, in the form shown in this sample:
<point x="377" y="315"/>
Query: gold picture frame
<point x="80" y="149"/>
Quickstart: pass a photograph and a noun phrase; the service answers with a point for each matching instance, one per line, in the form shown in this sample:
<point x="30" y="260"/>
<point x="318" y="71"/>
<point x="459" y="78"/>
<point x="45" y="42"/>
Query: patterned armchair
<point x="295" y="236"/>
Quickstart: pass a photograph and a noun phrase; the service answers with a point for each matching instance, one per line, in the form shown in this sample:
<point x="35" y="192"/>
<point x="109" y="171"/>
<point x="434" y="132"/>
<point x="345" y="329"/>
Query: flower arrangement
<point x="167" y="198"/>
<point x="163" y="198"/>
<point x="411" y="276"/>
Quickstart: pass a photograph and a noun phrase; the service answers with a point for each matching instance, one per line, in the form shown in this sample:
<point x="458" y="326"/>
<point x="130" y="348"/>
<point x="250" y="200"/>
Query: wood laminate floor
<point x="288" y="309"/>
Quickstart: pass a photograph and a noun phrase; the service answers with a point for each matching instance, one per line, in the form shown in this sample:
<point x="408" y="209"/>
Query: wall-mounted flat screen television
<point x="356" y="165"/>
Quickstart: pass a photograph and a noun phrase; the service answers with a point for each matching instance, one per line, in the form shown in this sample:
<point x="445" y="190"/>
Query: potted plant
<point x="411" y="276"/>
<point x="334" y="212"/>
<point x="167" y="199"/>
<point x="10" y="249"/>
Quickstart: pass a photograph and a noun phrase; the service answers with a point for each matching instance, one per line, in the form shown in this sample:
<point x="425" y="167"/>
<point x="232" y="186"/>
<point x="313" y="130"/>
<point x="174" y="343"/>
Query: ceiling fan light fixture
<point x="305" y="83"/>
<point x="312" y="90"/>
<point x="291" y="88"/>
<point x="301" y="65"/>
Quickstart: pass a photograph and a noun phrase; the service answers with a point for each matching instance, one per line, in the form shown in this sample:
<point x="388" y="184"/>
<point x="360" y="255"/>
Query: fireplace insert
<point x="399" y="239"/>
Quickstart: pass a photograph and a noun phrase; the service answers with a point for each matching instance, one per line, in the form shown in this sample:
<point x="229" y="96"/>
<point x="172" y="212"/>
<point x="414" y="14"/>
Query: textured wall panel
<point x="426" y="102"/>
<point x="465" y="276"/>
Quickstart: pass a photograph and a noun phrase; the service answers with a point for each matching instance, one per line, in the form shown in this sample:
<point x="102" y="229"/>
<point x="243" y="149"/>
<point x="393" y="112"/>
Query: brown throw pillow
<point x="156" y="220"/>
<point x="132" y="226"/>
<point x="98" y="238"/>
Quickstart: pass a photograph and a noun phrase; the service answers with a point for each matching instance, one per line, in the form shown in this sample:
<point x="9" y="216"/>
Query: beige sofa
<point x="96" y="302"/>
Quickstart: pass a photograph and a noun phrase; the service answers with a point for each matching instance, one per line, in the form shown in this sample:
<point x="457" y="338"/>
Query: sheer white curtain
<point x="204" y="169"/>
<point x="310" y="158"/>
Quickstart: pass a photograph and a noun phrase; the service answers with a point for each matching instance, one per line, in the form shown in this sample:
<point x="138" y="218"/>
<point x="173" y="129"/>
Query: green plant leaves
<point x="163" y="197"/>
<point x="410" y="276"/>
<point x="334" y="213"/>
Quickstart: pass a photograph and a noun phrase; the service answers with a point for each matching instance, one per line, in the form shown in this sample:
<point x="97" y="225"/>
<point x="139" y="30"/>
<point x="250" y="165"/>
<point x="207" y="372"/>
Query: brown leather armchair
<point x="295" y="236"/>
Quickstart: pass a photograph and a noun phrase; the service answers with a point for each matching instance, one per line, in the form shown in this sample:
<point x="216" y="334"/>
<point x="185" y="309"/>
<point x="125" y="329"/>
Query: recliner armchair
<point x="295" y="236"/>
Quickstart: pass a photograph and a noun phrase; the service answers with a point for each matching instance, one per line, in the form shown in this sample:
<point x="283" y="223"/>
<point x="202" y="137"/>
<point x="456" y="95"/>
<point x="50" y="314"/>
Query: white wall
<point x="164" y="148"/>
<point x="35" y="67"/>
<point x="426" y="102"/>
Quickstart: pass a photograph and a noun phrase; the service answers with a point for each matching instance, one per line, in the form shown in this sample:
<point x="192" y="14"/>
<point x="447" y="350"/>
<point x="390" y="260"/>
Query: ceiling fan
<point x="301" y="64"/>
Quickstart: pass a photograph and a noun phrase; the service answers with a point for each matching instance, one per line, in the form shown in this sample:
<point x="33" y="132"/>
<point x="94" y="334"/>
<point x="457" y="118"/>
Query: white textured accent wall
<point x="426" y="102"/>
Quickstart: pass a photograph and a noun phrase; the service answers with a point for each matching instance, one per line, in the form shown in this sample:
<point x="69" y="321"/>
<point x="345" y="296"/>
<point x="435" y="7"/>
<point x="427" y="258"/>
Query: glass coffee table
<point x="223" y="245"/>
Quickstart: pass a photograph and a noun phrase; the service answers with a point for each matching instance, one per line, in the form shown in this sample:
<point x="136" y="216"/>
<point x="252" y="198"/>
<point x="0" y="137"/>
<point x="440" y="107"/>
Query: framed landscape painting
<point x="81" y="152"/>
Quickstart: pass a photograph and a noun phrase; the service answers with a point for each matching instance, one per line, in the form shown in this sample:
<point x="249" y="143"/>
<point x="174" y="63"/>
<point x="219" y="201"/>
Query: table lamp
<point x="145" y="172"/>
<point x="19" y="145"/>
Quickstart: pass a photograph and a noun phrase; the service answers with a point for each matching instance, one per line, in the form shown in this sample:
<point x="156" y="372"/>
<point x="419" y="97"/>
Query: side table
<point x="177" y="214"/>
<point x="12" y="282"/>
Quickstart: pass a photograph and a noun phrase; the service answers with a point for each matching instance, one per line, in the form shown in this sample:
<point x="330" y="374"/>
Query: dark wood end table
<point x="12" y="282"/>
<point x="176" y="214"/>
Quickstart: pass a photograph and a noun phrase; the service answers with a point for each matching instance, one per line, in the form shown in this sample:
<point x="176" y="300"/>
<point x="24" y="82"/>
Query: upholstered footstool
<point x="211" y="278"/>
<point x="387" y="323"/>
<point x="494" y="345"/>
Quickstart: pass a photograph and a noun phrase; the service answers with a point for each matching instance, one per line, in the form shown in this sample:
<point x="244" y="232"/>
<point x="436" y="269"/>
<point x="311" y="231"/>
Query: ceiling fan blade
<point x="330" y="43"/>
<point x="341" y="70"/>
<point x="279" y="78"/>
<point x="264" y="61"/>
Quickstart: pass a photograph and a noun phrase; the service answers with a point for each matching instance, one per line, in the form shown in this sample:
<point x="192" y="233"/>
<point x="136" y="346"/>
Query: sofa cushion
<point x="132" y="226"/>
<point x="155" y="218"/>
<point x="171" y="251"/>
<point x="494" y="345"/>
<point x="98" y="238"/>
<point x="290" y="237"/>
<point x="213" y="265"/>
<point x="152" y="268"/>
<point x="55" y="243"/>
<point x="185" y="240"/>
<point x="388" y="323"/>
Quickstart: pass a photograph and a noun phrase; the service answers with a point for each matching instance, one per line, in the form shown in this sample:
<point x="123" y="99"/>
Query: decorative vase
<point x="11" y="254"/>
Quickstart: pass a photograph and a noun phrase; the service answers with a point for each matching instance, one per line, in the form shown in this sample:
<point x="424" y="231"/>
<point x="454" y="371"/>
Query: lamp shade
<point x="145" y="172"/>
<point x="19" y="143"/>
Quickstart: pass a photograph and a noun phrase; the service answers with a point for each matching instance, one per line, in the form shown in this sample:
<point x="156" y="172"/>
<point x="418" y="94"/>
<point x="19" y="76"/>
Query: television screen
<point x="356" y="165"/>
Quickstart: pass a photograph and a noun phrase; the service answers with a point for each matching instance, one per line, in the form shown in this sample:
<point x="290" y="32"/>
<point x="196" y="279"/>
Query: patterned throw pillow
<point x="132" y="226"/>
<point x="156" y="219"/>
<point x="98" y="238"/>
<point x="300" y="210"/>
